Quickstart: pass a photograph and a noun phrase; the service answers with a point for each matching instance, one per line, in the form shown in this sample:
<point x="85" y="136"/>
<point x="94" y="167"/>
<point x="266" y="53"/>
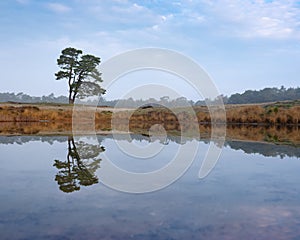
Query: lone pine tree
<point x="81" y="73"/>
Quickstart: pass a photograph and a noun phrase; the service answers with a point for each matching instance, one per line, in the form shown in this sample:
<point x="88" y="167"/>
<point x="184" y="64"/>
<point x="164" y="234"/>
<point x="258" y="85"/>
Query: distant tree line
<point x="163" y="101"/>
<point x="25" y="98"/>
<point x="265" y="95"/>
<point x="249" y="96"/>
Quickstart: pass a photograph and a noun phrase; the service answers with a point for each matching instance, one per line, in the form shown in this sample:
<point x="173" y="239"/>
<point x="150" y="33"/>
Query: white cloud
<point x="121" y="15"/>
<point x="128" y="8"/>
<point x="163" y="18"/>
<point x="58" y="7"/>
<point x="269" y="27"/>
<point x="258" y="18"/>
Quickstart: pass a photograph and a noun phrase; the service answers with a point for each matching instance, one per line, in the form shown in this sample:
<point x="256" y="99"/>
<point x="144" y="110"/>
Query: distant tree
<point x="81" y="73"/>
<point x="164" y="100"/>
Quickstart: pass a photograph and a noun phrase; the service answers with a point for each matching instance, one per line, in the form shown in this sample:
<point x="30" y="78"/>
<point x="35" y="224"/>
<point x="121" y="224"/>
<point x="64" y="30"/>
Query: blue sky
<point x="242" y="44"/>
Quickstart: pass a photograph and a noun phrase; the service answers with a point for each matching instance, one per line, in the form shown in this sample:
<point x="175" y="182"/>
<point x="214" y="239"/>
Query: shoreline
<point x="282" y="135"/>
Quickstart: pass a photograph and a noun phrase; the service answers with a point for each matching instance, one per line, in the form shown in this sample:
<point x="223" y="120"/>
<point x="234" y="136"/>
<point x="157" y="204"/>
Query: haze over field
<point x="242" y="44"/>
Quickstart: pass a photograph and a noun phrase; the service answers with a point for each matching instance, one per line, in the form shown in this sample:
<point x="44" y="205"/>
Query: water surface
<point x="48" y="193"/>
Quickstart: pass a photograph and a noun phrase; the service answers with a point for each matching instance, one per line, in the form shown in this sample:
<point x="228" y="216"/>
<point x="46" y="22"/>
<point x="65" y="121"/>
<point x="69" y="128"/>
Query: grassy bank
<point x="46" y="113"/>
<point x="281" y="113"/>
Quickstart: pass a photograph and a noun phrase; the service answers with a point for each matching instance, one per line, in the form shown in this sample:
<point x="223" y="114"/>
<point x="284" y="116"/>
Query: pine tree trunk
<point x="71" y="101"/>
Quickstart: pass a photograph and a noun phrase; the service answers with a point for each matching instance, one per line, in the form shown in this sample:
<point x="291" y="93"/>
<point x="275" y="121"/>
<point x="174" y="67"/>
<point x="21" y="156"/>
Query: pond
<point x="51" y="188"/>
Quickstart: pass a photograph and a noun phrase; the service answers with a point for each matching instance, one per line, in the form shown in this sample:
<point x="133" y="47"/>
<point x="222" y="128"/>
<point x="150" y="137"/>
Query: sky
<point x="242" y="44"/>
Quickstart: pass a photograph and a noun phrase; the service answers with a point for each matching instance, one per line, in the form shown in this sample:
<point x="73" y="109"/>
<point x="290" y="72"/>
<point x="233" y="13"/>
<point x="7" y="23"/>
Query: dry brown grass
<point x="272" y="115"/>
<point x="268" y="115"/>
<point x="33" y="114"/>
<point x="248" y="114"/>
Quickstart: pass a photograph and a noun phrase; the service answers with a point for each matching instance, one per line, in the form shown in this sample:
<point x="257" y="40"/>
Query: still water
<point x="49" y="192"/>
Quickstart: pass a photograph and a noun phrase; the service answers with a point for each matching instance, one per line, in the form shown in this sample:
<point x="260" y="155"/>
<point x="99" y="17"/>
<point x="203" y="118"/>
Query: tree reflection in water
<point x="78" y="169"/>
